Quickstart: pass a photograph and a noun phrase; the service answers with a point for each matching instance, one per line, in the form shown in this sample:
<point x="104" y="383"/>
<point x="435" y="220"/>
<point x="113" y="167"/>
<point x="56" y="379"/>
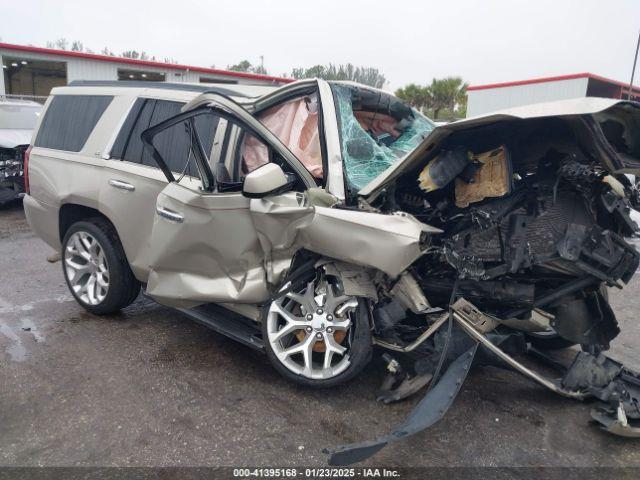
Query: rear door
<point x="204" y="247"/>
<point x="132" y="180"/>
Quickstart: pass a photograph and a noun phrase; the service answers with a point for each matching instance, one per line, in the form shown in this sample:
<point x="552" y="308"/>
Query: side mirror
<point x="266" y="180"/>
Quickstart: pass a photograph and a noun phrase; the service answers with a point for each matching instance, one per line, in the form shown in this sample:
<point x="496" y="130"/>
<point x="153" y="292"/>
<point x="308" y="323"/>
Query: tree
<point x="445" y="96"/>
<point x="366" y="75"/>
<point x="77" y="46"/>
<point x="447" y="93"/>
<point x="415" y="95"/>
<point x="60" y="44"/>
<point x="243" y="66"/>
<point x="130" y="54"/>
<point x="246" y="66"/>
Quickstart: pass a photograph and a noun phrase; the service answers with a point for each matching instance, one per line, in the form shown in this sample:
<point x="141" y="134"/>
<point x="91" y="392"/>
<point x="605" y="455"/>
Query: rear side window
<point x="173" y="143"/>
<point x="69" y="121"/>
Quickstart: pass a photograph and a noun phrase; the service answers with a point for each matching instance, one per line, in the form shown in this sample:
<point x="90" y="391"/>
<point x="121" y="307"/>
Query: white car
<point x="17" y="121"/>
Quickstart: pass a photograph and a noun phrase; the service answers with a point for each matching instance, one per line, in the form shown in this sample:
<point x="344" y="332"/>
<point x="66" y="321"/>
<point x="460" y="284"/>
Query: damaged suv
<point x="323" y="218"/>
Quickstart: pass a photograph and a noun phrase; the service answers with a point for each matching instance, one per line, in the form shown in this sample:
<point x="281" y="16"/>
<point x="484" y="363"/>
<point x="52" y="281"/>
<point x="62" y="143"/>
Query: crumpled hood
<point x="591" y="111"/>
<point x="12" y="137"/>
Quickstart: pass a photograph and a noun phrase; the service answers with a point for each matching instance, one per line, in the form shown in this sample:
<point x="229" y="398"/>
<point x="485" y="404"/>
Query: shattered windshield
<point x="376" y="130"/>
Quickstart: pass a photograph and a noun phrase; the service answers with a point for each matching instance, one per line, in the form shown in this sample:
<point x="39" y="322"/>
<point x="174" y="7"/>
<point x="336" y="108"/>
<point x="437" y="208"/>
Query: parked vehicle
<point x="321" y="218"/>
<point x="17" y="120"/>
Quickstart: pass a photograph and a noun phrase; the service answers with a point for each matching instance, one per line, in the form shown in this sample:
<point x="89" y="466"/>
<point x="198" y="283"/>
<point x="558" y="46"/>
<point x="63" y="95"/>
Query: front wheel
<point x="318" y="336"/>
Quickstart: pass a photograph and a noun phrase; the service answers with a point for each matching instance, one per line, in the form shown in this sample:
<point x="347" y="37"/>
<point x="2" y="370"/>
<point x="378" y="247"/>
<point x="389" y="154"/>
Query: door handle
<point x="121" y="185"/>
<point x="169" y="214"/>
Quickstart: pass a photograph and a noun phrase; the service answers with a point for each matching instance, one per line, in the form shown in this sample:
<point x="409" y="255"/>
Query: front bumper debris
<point x="430" y="409"/>
<point x="615" y="388"/>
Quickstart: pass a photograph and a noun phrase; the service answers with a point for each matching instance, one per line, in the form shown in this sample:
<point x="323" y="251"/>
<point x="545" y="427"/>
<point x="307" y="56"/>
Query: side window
<point x="252" y="153"/>
<point x="69" y="121"/>
<point x="173" y="143"/>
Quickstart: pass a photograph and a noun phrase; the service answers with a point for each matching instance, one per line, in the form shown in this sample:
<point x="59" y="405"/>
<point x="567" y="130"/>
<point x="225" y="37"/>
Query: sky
<point x="408" y="41"/>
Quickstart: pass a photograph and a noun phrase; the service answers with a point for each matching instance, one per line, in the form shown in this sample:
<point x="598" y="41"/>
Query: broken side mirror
<point x="266" y="180"/>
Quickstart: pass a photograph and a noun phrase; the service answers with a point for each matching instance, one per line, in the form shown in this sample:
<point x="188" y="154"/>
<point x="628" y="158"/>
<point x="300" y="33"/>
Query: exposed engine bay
<point x="535" y="224"/>
<point x="531" y="223"/>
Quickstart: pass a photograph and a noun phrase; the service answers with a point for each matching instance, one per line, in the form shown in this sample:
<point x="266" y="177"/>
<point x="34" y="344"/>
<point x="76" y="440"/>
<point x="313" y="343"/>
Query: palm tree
<point x="446" y="93"/>
<point x="415" y="95"/>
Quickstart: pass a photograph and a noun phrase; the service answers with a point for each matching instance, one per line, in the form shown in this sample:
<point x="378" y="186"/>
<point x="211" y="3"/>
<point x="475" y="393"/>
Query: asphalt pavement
<point x="148" y="387"/>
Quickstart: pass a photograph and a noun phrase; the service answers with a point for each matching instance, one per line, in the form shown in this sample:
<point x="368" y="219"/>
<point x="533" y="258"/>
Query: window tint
<point x="69" y="121"/>
<point x="173" y="143"/>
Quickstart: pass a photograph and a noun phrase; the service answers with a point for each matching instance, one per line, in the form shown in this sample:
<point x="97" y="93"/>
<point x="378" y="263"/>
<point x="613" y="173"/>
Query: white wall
<point x="88" y="69"/>
<point x="489" y="100"/>
<point x="2" y="89"/>
<point x="79" y="69"/>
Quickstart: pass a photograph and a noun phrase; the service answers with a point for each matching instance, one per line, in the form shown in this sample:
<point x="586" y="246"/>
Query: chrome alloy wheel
<point x="86" y="268"/>
<point x="309" y="331"/>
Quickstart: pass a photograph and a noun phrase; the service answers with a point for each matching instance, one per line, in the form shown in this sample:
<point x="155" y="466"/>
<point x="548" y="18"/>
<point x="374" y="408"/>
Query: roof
<point x="143" y="63"/>
<point x="559" y="78"/>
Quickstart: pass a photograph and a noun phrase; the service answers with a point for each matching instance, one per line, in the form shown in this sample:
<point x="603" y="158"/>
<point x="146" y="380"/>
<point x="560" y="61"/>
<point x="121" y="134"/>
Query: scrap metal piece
<point x="418" y="341"/>
<point x="617" y="424"/>
<point x="481" y="322"/>
<point x="430" y="409"/>
<point x="590" y="371"/>
<point x="509" y="360"/>
<point x="407" y="291"/>
<point x="407" y="387"/>
<point x="398" y="384"/>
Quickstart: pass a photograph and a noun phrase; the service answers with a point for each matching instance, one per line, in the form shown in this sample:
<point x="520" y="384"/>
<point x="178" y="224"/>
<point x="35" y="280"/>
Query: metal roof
<point x="558" y="78"/>
<point x="143" y="63"/>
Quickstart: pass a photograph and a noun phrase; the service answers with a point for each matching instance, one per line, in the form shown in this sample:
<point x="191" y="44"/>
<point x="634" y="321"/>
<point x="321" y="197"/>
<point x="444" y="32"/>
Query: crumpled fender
<point x="389" y="243"/>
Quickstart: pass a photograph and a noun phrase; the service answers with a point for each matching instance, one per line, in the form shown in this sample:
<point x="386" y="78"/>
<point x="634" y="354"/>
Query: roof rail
<point x="159" y="85"/>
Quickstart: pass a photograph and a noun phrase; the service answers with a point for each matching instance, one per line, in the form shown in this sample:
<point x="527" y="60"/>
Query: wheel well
<point x="71" y="213"/>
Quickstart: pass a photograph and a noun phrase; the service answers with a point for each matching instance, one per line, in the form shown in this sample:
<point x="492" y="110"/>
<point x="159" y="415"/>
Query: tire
<point x="356" y="340"/>
<point x="96" y="269"/>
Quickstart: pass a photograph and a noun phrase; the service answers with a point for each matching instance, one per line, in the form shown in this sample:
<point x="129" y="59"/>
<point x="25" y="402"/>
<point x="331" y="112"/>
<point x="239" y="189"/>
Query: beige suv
<point x="315" y="220"/>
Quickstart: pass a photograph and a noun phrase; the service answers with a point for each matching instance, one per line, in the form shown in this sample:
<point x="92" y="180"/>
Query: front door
<point x="204" y="247"/>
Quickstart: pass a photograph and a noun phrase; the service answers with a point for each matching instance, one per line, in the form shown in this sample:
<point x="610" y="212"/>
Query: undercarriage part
<point x="510" y="294"/>
<point x="615" y="421"/>
<point x="587" y="321"/>
<point x="407" y="291"/>
<point x="418" y="341"/>
<point x="398" y="384"/>
<point x="467" y="325"/>
<point x="563" y="291"/>
<point x="430" y="409"/>
<point x="616" y="388"/>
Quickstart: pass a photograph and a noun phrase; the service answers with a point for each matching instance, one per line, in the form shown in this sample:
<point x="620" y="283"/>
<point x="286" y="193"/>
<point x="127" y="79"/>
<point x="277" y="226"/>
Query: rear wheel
<point x="96" y="269"/>
<point x="318" y="336"/>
